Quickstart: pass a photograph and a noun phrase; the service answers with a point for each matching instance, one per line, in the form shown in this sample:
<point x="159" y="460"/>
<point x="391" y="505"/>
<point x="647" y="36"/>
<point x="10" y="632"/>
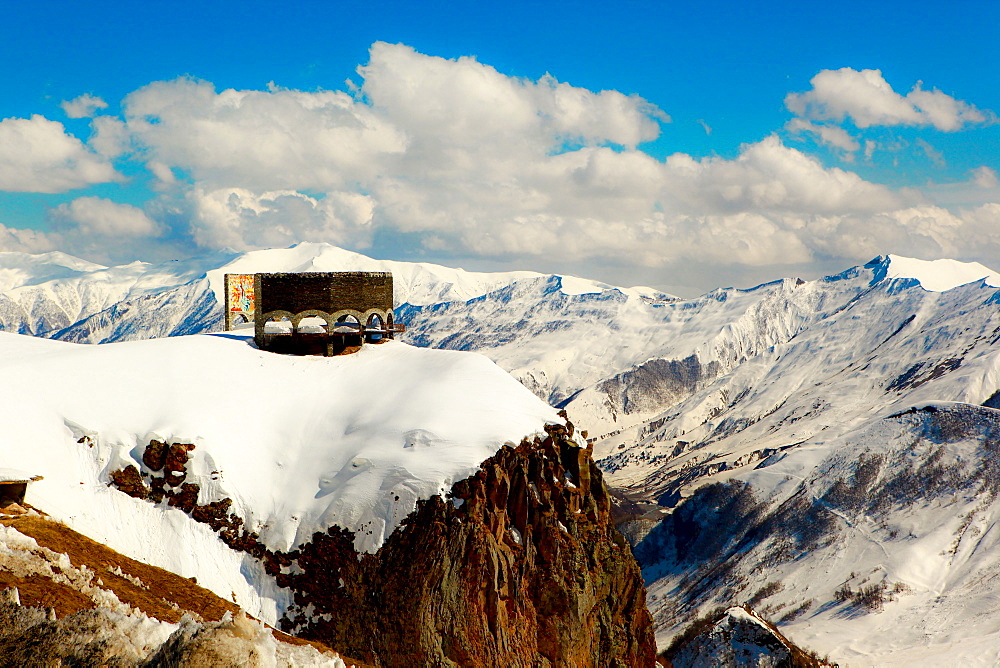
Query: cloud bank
<point x="450" y="158"/>
<point x="38" y="156"/>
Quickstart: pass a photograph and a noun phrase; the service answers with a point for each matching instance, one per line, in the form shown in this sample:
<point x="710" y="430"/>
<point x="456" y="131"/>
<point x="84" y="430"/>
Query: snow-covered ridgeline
<point x="877" y="546"/>
<point x="561" y="336"/>
<point x="298" y="443"/>
<point x="59" y="296"/>
<point x="893" y="345"/>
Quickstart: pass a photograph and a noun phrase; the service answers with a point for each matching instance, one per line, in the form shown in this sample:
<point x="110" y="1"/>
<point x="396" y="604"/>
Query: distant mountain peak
<point x="933" y="275"/>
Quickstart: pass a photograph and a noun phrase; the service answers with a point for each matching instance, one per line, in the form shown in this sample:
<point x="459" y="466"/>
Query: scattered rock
<point x="737" y="637"/>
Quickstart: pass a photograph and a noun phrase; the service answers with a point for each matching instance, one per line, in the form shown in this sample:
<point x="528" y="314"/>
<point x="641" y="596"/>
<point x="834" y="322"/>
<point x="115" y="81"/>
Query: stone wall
<point x="324" y="291"/>
<point x="331" y="296"/>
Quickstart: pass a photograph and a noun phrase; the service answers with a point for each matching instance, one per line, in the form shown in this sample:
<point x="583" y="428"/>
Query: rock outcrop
<point x="521" y="566"/>
<point x="66" y="600"/>
<point x="736" y="638"/>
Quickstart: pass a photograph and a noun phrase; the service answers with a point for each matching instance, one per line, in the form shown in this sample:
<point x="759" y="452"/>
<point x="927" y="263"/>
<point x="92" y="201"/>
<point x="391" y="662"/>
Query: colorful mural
<point x="239" y="298"/>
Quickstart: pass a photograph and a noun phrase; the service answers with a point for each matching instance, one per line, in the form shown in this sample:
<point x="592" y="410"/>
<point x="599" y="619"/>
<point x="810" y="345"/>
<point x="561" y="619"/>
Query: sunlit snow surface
<point x="298" y="443"/>
<point x="940" y="275"/>
<point x="814" y="366"/>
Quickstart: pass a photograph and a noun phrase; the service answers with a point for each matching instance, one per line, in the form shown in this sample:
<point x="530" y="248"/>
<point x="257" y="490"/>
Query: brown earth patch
<point x="163" y="595"/>
<point x="162" y="588"/>
<point x="39" y="591"/>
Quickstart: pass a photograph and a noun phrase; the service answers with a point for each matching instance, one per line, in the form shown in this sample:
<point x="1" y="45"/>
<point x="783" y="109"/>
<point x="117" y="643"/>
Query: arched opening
<point x="345" y="335"/>
<point x="240" y="320"/>
<point x="276" y="332"/>
<point x="374" y="329"/>
<point x="278" y="324"/>
<point x="388" y="325"/>
<point x="312" y="324"/>
<point x="347" y="324"/>
<point x="311" y="332"/>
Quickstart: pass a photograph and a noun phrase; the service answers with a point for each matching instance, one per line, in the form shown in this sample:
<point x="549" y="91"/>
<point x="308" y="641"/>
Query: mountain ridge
<point x="689" y="403"/>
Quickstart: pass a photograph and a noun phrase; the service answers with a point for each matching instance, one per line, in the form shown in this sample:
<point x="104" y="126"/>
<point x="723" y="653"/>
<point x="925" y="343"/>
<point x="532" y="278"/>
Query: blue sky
<point x="699" y="170"/>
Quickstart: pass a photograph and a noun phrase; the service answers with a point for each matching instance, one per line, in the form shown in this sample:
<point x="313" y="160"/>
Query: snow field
<point x="298" y="443"/>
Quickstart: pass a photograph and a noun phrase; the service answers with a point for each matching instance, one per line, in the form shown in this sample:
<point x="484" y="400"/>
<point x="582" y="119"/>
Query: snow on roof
<point x="16" y="475"/>
<point x="940" y="275"/>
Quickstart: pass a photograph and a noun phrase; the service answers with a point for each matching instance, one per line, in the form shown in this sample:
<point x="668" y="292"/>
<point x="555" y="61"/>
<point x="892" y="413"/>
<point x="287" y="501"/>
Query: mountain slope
<point x="892" y="345"/>
<point x="352" y="499"/>
<point x="745" y="424"/>
<point x="68" y="600"/>
<point x="878" y="546"/>
<point x="296" y="444"/>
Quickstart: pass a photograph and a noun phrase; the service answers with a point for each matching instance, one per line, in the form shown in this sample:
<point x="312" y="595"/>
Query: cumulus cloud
<point x="867" y="99"/>
<point x="110" y="136"/>
<point x="460" y="159"/>
<point x="101" y="217"/>
<point x="84" y="106"/>
<point x="263" y="140"/>
<point x="770" y="177"/>
<point x="37" y="155"/>
<point x="239" y="219"/>
<point x="25" y="241"/>
<point x="465" y="102"/>
<point x="452" y="158"/>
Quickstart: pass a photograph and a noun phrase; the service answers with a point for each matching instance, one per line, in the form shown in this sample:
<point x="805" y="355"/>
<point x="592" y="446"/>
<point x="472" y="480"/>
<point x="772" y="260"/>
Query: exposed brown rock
<point x="186" y="499"/>
<point x="155" y="455"/>
<point x="176" y="457"/>
<point x="522" y="567"/>
<point x="130" y="481"/>
<point x="45" y="622"/>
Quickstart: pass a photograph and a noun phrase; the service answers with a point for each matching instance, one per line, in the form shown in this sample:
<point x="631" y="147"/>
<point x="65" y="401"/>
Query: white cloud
<point x="466" y="103"/>
<point x="453" y="158"/>
<point x="101" y="217"/>
<point x="466" y="161"/>
<point x="830" y="135"/>
<point x="110" y="136"/>
<point x="25" y="241"/>
<point x="263" y="140"/>
<point x="867" y="99"/>
<point x="934" y="155"/>
<point x="870" y="147"/>
<point x="771" y="177"/>
<point x="985" y="177"/>
<point x="239" y="219"/>
<point x="36" y="155"/>
<point x="84" y="106"/>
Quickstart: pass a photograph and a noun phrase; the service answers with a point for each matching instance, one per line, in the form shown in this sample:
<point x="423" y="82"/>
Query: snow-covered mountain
<point x="877" y="545"/>
<point x="821" y="450"/>
<point x="58" y="296"/>
<point x="861" y="522"/>
<point x="342" y="498"/>
<point x="808" y="359"/>
<point x="297" y="443"/>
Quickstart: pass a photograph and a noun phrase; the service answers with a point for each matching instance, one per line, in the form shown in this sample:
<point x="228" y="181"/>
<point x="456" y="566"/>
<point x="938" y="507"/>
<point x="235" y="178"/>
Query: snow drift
<point x="297" y="443"/>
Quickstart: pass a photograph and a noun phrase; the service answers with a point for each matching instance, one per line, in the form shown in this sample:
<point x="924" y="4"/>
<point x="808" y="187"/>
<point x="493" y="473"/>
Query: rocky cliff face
<point x="521" y="566"/>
